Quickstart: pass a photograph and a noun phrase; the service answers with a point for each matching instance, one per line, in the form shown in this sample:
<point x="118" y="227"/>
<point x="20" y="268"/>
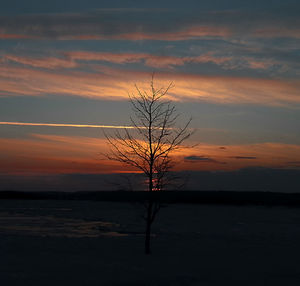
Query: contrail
<point x="65" y="125"/>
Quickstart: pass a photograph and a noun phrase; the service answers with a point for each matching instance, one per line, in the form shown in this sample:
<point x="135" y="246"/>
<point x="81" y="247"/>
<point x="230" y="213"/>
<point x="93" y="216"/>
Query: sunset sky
<point x="66" y="68"/>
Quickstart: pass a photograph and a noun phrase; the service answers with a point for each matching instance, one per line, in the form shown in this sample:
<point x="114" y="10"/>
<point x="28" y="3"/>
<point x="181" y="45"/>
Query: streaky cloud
<point x="114" y="84"/>
<point x="67" y="125"/>
<point x="244" y="157"/>
<point x="50" y="153"/>
<point x="145" y="25"/>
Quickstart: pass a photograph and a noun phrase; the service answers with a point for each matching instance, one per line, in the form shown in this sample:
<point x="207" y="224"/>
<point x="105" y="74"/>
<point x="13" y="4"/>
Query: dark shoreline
<point x="191" y="197"/>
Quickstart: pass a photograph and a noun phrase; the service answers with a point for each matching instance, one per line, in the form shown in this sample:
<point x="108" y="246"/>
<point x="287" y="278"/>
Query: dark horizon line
<point x="217" y="197"/>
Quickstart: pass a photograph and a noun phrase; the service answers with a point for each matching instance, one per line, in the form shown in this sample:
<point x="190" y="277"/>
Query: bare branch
<point x="150" y="143"/>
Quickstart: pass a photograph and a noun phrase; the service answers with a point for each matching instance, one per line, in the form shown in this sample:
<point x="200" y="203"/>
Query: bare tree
<point x="149" y="144"/>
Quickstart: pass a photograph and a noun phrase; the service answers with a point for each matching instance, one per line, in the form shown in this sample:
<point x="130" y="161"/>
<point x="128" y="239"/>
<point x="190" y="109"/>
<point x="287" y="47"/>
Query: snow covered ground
<point x="101" y="243"/>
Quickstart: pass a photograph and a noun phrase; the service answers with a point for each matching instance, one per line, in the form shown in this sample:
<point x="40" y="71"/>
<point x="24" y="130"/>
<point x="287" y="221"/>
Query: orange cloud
<point x="112" y="83"/>
<point x="55" y="154"/>
<point x="74" y="154"/>
<point x="71" y="59"/>
<point x="188" y="33"/>
<point x="121" y="58"/>
<point x="184" y="34"/>
<point x="233" y="157"/>
<point x="24" y="81"/>
<point x="76" y="59"/>
<point x="150" y="60"/>
<point x="49" y="63"/>
<point x="193" y="32"/>
<point x="264" y="64"/>
<point x="172" y="25"/>
<point x="15" y="36"/>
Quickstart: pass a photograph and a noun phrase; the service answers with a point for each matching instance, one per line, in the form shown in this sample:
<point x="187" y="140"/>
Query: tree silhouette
<point x="149" y="144"/>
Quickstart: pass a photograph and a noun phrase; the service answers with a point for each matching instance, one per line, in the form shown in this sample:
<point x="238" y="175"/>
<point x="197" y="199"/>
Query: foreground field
<point x="99" y="243"/>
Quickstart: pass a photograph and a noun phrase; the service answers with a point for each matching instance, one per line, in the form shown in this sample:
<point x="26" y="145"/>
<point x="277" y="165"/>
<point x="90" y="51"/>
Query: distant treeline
<point x="191" y="197"/>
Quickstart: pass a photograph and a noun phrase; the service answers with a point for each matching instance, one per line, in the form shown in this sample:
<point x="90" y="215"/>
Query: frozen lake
<point x="101" y="243"/>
